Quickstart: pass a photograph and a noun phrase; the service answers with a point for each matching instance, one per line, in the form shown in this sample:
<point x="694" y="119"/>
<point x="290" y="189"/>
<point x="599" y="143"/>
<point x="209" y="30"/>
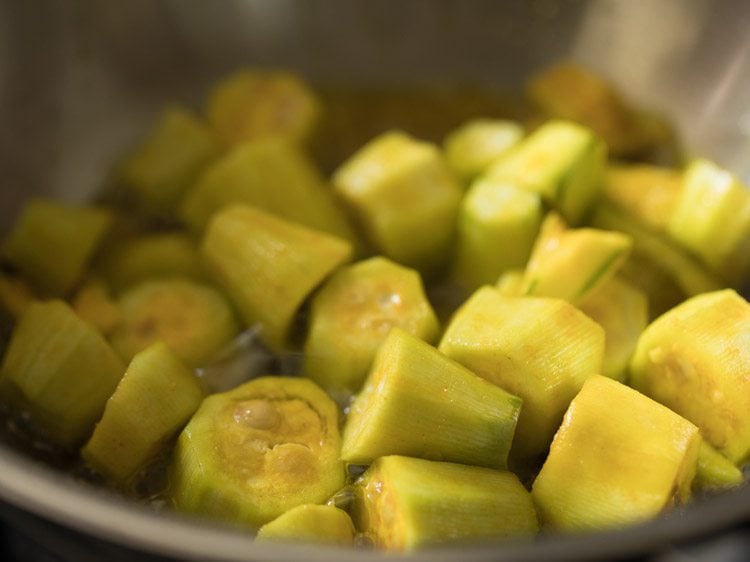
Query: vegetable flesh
<point x="321" y="524"/>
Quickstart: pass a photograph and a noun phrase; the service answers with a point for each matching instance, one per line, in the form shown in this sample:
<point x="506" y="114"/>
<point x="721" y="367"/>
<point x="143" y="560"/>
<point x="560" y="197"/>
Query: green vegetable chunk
<point x="168" y="160"/>
<point x="404" y="504"/>
<point x="419" y="403"/>
<point x="321" y="524"/>
<point x="618" y="458"/>
<point x="561" y="161"/>
<point x="271" y="174"/>
<point x="695" y="359"/>
<point x="352" y="314"/>
<point x="153" y="401"/>
<point x="251" y="454"/>
<point x="52" y="243"/>
<point x="712" y="219"/>
<point x="497" y="226"/>
<point x="715" y="471"/>
<point x="404" y="196"/>
<point x="60" y="371"/>
<point x="476" y="144"/>
<point x="540" y="349"/>
<point x="193" y="319"/>
<point x="268" y="266"/>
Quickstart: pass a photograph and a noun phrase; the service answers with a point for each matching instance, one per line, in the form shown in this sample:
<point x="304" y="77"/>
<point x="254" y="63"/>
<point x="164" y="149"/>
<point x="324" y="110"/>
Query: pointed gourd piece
<point x="52" y="243"/>
<point x="472" y="147"/>
<point x="712" y="219"/>
<point x="405" y="198"/>
<point x="167" y="161"/>
<point x="622" y="310"/>
<point x="194" y="319"/>
<point x="95" y="305"/>
<point x="510" y="283"/>
<point x="404" y="504"/>
<point x="153" y="401"/>
<point x="352" y="314"/>
<point x="561" y="161"/>
<point x="648" y="193"/>
<point x="695" y="359"/>
<point x="571" y="263"/>
<point x="540" y="349"/>
<point x="619" y="458"/>
<point x="255" y="452"/>
<point x="419" y="403"/>
<point x="268" y="266"/>
<point x="250" y="104"/>
<point x="151" y="256"/>
<point x="59" y="371"/>
<point x="313" y="524"/>
<point x="274" y="175"/>
<point x="715" y="471"/>
<point x="497" y="226"/>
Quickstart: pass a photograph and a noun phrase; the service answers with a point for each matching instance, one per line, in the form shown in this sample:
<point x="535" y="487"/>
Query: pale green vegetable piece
<point x="472" y="147"/>
<point x="314" y="524"/>
<point x="715" y="471"/>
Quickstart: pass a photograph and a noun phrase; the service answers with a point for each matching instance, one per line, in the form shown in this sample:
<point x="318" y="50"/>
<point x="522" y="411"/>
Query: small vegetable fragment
<point x="271" y="174"/>
<point x="510" y="283"/>
<point x="193" y="319"/>
<point x="695" y="360"/>
<point x="153" y="401"/>
<point x="352" y="314"/>
<point x="417" y="402"/>
<point x="540" y="349"/>
<point x="622" y="310"/>
<point x="570" y="264"/>
<point x="715" y="471"/>
<point x="94" y="304"/>
<point x="561" y="161"/>
<point x="255" y="103"/>
<point x="476" y="144"/>
<point x="60" y="371"/>
<point x="618" y="458"/>
<point x="497" y="225"/>
<point x="167" y="161"/>
<point x="320" y="524"/>
<point x="268" y="266"/>
<point x="152" y="256"/>
<point x="712" y="219"/>
<point x="404" y="196"/>
<point x="52" y="243"/>
<point x="251" y="454"/>
<point x="404" y="504"/>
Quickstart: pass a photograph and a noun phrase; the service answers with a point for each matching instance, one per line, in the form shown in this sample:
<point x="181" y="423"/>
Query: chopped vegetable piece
<point x="153" y="401"/>
<point x="52" y="243"/>
<point x="561" y="161"/>
<point x="193" y="319"/>
<point x="712" y="219"/>
<point x="404" y="196"/>
<point x="497" y="225"/>
<point x="352" y="314"/>
<point x="715" y="471"/>
<point x="59" y="371"/>
<point x="404" y="504"/>
<point x="476" y="144"/>
<point x="622" y="310"/>
<point x="510" y="283"/>
<point x="15" y="295"/>
<point x="419" y="403"/>
<point x="255" y="452"/>
<point x="152" y="256"/>
<point x="255" y="103"/>
<point x="94" y="304"/>
<point x="695" y="360"/>
<point x="570" y="264"/>
<point x="321" y="524"/>
<point x="269" y="266"/>
<point x="648" y="193"/>
<point x="570" y="91"/>
<point x="168" y="160"/>
<point x="540" y="349"/>
<point x="618" y="458"/>
<point x="271" y="174"/>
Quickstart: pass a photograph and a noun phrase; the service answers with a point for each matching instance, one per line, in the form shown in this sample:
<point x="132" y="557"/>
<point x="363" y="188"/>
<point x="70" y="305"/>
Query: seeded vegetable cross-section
<point x="501" y="325"/>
